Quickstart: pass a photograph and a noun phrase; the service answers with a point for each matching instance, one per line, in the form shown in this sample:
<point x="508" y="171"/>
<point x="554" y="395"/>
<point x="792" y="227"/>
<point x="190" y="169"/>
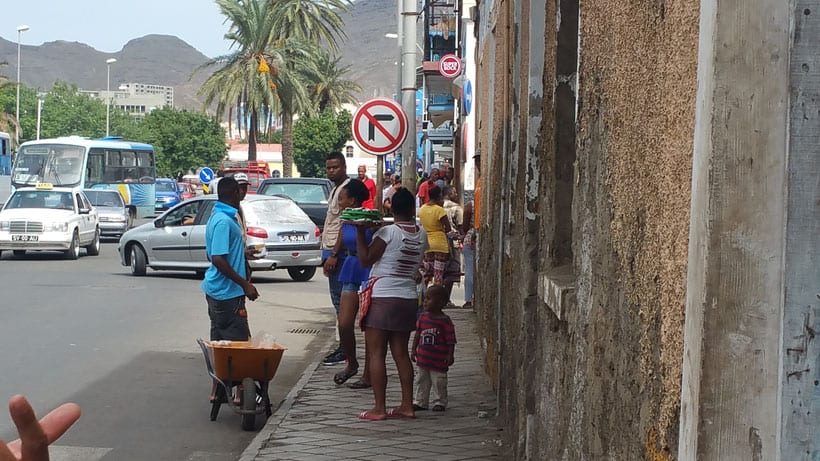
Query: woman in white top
<point x="394" y="255"/>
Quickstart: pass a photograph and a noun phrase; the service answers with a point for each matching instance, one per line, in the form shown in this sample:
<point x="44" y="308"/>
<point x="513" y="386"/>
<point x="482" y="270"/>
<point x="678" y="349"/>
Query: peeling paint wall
<point x="597" y="376"/>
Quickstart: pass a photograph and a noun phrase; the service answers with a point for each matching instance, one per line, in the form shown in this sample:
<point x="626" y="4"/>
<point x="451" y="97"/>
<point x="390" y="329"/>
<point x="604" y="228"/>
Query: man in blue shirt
<point x="227" y="281"/>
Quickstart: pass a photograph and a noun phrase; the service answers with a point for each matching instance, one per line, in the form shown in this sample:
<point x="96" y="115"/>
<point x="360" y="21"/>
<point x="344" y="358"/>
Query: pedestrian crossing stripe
<point x="67" y="453"/>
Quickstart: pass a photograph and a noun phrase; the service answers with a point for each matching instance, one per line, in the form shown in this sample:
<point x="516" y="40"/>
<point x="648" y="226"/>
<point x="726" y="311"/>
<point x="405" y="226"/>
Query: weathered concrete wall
<point x="582" y="307"/>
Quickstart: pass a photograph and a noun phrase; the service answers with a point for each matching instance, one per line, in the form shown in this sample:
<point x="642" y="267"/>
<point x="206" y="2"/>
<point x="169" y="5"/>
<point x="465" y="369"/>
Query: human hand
<point x="36" y="436"/>
<point x="330" y="264"/>
<point x="451" y="360"/>
<point x="250" y="292"/>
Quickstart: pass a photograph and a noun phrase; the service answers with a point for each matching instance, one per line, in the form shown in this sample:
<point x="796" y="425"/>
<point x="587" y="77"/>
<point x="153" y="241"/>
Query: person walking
<point x="455" y="213"/>
<point x="394" y="256"/>
<point x="370" y="185"/>
<point x="433" y="350"/>
<point x="435" y="221"/>
<point x="336" y="170"/>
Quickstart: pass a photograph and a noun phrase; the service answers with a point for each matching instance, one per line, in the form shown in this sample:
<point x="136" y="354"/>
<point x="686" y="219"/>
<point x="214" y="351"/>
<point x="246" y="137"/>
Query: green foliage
<point x="314" y="137"/>
<point x="183" y="140"/>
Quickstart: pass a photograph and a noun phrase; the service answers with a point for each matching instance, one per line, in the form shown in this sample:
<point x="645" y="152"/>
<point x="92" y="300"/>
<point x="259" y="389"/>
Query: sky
<point x="107" y="25"/>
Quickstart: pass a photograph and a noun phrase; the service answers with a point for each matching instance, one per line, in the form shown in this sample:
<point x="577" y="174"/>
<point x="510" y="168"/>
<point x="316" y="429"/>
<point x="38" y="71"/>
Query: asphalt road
<point x="123" y="347"/>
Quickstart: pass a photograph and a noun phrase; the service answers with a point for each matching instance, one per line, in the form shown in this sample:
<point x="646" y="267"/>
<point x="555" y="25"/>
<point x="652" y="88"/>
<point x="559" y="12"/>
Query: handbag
<point x="365" y="298"/>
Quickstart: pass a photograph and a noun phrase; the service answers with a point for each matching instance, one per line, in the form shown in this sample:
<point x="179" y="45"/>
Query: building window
<point x="349" y="151"/>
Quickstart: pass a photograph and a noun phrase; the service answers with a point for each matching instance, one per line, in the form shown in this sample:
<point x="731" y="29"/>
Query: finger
<point x="32" y="433"/>
<point x="5" y="453"/>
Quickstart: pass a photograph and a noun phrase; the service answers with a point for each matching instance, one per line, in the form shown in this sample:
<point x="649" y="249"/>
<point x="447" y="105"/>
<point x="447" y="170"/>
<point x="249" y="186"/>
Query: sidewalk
<point x="317" y="421"/>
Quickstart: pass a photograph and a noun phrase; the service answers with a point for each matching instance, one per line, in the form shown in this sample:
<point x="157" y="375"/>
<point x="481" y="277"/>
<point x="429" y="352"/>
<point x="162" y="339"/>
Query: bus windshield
<point x="60" y="165"/>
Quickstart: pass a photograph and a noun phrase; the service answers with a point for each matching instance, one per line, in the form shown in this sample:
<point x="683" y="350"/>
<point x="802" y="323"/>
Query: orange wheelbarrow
<point x="247" y="368"/>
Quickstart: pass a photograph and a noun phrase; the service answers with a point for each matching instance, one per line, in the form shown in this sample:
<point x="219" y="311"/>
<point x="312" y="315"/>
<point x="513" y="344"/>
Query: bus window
<point x="145" y="161"/>
<point x="95" y="169"/>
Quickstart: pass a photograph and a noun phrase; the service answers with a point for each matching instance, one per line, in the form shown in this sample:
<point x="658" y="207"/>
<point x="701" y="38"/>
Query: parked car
<point x="114" y="216"/>
<point x="311" y="194"/>
<point x="49" y="218"/>
<point x="167" y="194"/>
<point x="176" y="239"/>
<point x="186" y="191"/>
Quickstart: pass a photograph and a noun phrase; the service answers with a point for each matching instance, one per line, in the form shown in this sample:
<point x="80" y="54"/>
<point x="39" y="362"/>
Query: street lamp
<point x="20" y="30"/>
<point x="108" y="63"/>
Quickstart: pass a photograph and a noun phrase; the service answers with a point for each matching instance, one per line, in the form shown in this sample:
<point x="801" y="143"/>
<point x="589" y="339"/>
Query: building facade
<point x="654" y="167"/>
<point x="137" y="99"/>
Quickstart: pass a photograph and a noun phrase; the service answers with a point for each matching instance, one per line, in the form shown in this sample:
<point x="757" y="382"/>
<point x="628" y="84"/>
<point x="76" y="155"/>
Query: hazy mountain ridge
<point x="168" y="60"/>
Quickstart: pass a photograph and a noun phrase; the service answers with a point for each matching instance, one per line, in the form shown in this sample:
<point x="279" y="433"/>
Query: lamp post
<point x="108" y="63"/>
<point x="20" y="30"/>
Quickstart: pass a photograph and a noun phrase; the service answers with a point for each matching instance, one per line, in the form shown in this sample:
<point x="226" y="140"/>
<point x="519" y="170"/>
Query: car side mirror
<point x="85" y="210"/>
<point x="159" y="223"/>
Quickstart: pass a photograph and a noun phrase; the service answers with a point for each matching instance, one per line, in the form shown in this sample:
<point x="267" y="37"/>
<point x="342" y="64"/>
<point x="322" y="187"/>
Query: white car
<point x="49" y="218"/>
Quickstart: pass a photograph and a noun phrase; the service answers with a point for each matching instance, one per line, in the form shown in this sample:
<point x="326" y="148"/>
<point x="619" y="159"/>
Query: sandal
<point x="360" y="385"/>
<point x="342" y="376"/>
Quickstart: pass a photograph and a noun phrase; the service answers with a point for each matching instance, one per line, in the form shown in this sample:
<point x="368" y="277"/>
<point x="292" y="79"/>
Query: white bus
<point x="106" y="163"/>
<point x="5" y="153"/>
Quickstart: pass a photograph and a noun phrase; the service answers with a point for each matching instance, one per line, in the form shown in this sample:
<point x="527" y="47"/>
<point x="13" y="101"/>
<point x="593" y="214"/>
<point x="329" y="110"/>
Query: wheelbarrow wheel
<point x="248" y="404"/>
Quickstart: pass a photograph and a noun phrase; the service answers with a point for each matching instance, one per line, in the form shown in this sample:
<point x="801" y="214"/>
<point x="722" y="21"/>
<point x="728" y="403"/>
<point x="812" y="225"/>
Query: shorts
<point x="351" y="286"/>
<point x="392" y="314"/>
<point x="229" y="319"/>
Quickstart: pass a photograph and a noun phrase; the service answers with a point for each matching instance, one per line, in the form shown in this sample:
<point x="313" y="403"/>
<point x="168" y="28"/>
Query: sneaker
<point x="335" y="358"/>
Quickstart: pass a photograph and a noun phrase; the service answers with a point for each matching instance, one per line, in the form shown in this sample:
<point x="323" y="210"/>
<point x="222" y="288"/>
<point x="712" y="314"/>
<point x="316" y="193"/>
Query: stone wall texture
<point x="602" y="379"/>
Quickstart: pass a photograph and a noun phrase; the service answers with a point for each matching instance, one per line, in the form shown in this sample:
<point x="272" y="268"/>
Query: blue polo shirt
<point x="223" y="237"/>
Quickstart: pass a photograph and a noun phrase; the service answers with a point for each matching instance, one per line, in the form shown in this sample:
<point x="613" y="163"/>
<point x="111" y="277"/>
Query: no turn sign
<point x="449" y="66"/>
<point x="379" y="126"/>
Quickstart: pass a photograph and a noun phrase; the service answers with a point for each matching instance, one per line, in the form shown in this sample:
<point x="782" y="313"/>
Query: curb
<point x="272" y="424"/>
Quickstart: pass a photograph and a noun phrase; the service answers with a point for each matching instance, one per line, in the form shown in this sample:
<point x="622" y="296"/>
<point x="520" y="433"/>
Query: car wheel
<point x="94" y="248"/>
<point x="137" y="260"/>
<point x="19" y="252"/>
<point x="301" y="273"/>
<point x="73" y="251"/>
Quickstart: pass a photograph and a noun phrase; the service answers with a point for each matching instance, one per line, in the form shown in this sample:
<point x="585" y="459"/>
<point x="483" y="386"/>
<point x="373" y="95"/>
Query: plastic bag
<point x="263" y="340"/>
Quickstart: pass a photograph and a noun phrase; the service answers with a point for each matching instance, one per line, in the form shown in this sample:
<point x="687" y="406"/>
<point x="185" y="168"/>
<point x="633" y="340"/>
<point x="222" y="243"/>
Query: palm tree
<point x="308" y="21"/>
<point x="239" y="85"/>
<point x="313" y="21"/>
<point x="330" y="89"/>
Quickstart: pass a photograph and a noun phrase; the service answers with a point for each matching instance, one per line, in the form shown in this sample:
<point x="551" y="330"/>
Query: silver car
<point x="284" y="235"/>
<point x="114" y="216"/>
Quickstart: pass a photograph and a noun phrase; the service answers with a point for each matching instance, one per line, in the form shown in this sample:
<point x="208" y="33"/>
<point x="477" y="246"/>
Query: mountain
<point x="167" y="60"/>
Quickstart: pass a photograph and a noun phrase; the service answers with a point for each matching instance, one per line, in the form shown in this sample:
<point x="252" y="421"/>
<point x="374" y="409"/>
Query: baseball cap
<point x="241" y="178"/>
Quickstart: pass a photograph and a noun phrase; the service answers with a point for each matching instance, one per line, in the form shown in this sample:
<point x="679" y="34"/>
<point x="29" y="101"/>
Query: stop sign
<point x="449" y="66"/>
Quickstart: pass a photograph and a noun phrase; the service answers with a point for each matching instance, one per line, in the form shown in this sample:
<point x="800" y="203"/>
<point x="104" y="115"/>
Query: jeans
<point x="335" y="285"/>
<point x="469" y="271"/>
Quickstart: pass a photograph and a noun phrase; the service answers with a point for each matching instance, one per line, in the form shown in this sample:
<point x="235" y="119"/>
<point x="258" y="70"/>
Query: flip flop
<point x="342" y="376"/>
<point x="360" y="385"/>
<point x="367" y="416"/>
<point x="394" y="414"/>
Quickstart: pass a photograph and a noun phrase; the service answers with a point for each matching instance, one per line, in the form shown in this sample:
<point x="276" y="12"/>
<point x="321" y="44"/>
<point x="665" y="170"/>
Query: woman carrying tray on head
<point x="394" y="256"/>
<point x="351" y="276"/>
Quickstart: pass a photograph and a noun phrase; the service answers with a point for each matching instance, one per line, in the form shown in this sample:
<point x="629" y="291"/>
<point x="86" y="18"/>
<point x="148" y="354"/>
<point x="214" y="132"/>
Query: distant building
<point x="137" y="99"/>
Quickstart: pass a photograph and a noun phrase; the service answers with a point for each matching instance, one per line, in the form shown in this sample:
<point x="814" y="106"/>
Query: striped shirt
<point x="436" y="335"/>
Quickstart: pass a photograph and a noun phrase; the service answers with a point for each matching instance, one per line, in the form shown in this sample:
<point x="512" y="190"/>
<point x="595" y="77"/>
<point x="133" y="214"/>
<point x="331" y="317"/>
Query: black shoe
<point x="334" y="352"/>
<point x="335" y="358"/>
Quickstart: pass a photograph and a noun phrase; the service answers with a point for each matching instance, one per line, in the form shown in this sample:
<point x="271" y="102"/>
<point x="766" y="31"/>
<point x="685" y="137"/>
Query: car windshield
<point x="261" y="212"/>
<point x="110" y="198"/>
<point x="165" y="186"/>
<point x="299" y="192"/>
<point x="40" y="199"/>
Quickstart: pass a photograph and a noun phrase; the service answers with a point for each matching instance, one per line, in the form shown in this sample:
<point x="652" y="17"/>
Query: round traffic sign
<point x="206" y="175"/>
<point x="449" y="66"/>
<point x="467" y="96"/>
<point x="379" y="126"/>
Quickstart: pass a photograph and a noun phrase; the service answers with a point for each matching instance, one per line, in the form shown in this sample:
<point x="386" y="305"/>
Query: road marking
<point x="66" y="453"/>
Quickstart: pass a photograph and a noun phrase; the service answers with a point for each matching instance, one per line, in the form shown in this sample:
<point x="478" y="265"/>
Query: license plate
<point x="292" y="238"/>
<point x="25" y="238"/>
<point x="157" y="206"/>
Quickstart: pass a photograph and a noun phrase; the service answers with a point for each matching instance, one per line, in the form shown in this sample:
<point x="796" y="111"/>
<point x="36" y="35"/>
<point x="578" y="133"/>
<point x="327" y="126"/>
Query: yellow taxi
<point x="49" y="218"/>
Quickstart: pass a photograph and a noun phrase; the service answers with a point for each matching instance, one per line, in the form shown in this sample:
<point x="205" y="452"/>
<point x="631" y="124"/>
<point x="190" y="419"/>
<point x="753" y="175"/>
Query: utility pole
<point x="408" y="91"/>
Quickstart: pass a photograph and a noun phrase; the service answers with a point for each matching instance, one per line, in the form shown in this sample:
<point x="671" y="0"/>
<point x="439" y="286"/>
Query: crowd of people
<point x="396" y="278"/>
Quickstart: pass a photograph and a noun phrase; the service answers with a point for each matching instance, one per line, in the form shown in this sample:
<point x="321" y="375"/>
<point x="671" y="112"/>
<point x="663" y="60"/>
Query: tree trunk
<point x="287" y="144"/>
<point x="253" y="134"/>
<point x="230" y="122"/>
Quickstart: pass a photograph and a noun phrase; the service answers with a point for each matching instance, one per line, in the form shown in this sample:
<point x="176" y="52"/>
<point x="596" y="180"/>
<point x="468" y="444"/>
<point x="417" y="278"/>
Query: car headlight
<point x="5" y="226"/>
<point x="57" y="226"/>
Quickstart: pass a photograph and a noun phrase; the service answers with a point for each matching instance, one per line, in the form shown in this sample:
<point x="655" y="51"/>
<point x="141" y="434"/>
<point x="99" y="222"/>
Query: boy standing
<point x="433" y="350"/>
